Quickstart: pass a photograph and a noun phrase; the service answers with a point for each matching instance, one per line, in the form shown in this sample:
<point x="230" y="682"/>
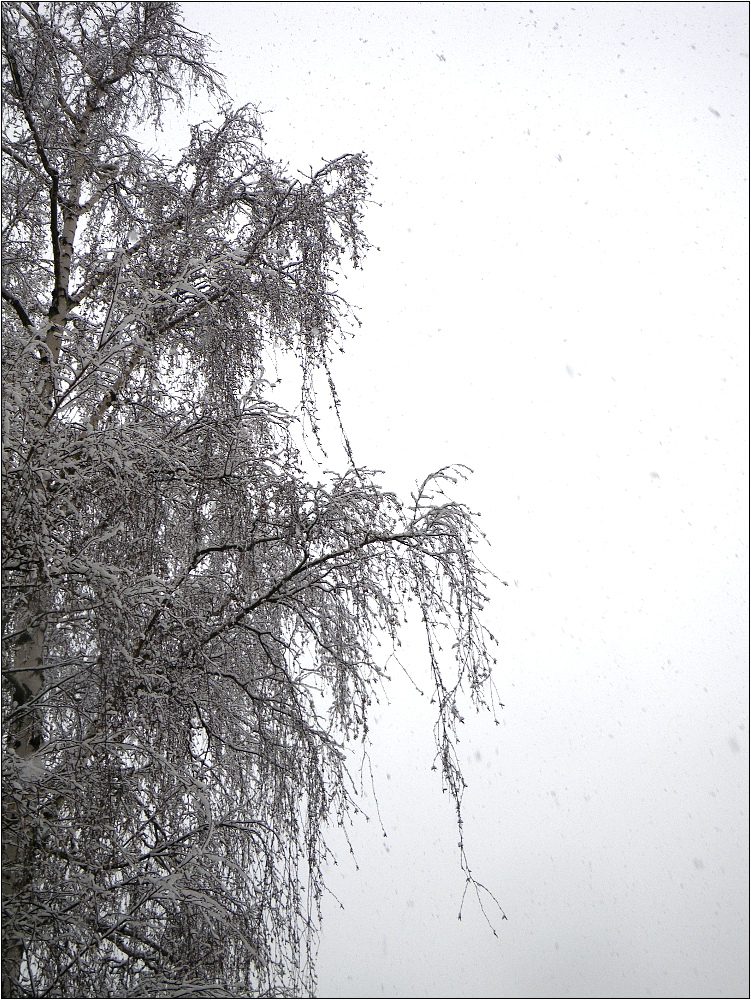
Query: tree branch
<point x="42" y="154"/>
<point x="15" y="302"/>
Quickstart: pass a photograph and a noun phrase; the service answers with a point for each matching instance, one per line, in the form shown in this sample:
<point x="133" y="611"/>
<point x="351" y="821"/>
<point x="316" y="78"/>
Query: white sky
<point x="559" y="301"/>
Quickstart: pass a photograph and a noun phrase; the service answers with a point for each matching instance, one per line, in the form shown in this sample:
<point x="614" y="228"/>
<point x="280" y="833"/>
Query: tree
<point x="190" y="626"/>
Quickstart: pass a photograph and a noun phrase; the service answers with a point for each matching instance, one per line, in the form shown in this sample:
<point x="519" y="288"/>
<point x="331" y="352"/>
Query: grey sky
<point x="559" y="301"/>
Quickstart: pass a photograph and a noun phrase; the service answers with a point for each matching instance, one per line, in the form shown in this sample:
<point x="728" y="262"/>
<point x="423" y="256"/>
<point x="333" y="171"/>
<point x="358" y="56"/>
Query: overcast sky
<point x="560" y="302"/>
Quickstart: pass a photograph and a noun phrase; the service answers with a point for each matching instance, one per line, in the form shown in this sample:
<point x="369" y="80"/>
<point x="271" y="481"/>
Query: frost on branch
<point x="191" y="626"/>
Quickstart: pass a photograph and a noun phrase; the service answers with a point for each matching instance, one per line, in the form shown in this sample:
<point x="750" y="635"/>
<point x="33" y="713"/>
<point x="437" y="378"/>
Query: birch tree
<point x="191" y="626"/>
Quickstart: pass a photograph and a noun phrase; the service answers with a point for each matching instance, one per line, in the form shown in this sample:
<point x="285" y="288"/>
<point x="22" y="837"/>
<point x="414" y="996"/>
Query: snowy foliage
<point x="190" y="628"/>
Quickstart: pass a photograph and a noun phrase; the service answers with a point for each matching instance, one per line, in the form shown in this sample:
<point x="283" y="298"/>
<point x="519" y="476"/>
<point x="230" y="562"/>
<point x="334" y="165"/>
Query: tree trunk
<point x="24" y="740"/>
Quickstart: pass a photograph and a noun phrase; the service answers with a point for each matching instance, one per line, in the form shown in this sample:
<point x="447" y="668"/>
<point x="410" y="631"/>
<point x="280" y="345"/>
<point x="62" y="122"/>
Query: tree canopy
<point x="191" y="625"/>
